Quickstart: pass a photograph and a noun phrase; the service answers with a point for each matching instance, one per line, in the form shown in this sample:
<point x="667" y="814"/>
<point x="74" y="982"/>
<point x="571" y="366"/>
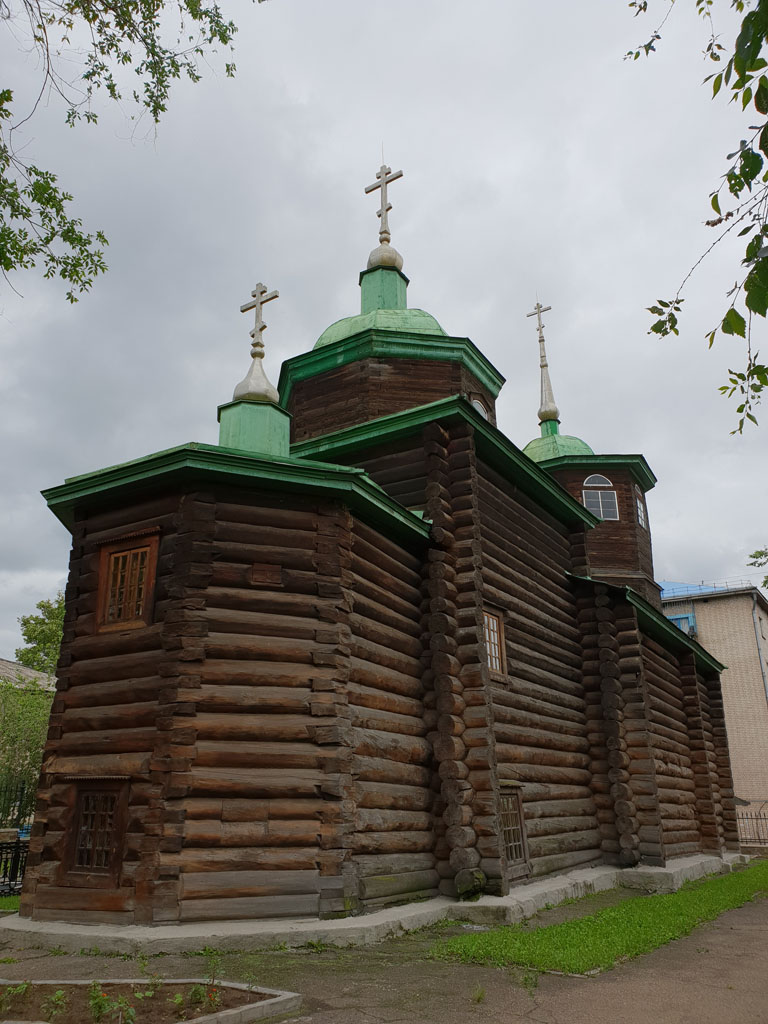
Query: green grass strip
<point x="9" y="903"/>
<point x="615" y="933"/>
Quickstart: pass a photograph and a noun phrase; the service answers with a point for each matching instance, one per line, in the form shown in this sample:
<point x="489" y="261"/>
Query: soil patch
<point x="122" y="1003"/>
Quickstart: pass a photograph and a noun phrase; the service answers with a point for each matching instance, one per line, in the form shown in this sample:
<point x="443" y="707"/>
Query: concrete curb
<point x="280" y="1003"/>
<point x="522" y="902"/>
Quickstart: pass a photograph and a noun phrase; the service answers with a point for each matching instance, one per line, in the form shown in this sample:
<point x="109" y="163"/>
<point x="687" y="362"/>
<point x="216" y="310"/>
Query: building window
<point x="480" y="407"/>
<point x="512" y="828"/>
<point x="126" y="582"/>
<point x="640" y="508"/>
<point x="493" y="632"/>
<point x="96" y="835"/>
<point x="600" y="502"/>
<point x="95" y="831"/>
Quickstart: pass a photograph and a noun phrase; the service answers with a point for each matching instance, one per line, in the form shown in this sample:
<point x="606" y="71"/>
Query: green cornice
<point x="203" y="463"/>
<point x="492" y="446"/>
<point x="636" y="464"/>
<point x="658" y="626"/>
<point x="380" y="344"/>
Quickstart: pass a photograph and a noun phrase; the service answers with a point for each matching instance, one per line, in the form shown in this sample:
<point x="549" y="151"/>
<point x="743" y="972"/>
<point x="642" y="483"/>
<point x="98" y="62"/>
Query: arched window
<point x="597" y="481"/>
<point x="597" y="499"/>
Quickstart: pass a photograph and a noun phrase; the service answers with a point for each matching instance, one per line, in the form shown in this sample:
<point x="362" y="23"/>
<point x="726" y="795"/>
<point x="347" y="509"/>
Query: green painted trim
<point x="204" y="462"/>
<point x="492" y="445"/>
<point x="383" y="288"/>
<point x="657" y="625"/>
<point x="260" y="428"/>
<point x="380" y="344"/>
<point x="636" y="464"/>
<point x="549" y="427"/>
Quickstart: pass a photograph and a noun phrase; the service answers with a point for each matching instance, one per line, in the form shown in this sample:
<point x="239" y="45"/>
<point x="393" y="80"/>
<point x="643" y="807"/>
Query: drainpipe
<point x="757" y="641"/>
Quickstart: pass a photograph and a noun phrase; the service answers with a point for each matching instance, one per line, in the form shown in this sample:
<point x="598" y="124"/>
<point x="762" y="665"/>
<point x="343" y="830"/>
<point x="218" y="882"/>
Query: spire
<point x="549" y="414"/>
<point x="255" y="387"/>
<point x="384" y="255"/>
<point x="253" y="421"/>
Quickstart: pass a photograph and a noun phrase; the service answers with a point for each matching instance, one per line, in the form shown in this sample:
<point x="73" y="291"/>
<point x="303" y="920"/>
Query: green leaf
<point x="715" y="201"/>
<point x="756" y="296"/>
<point x="734" y="323"/>
<point x="761" y="95"/>
<point x="716" y="84"/>
<point x="746" y="96"/>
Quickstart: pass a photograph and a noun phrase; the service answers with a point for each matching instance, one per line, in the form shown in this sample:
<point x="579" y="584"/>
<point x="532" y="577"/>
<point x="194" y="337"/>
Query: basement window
<point x="126" y="582"/>
<point x="512" y="829"/>
<point x="493" y="634"/>
<point x="96" y="840"/>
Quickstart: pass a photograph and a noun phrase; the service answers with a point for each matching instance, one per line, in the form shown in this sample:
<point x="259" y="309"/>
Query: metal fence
<point x="753" y="828"/>
<point x="17" y="803"/>
<point x="13" y="860"/>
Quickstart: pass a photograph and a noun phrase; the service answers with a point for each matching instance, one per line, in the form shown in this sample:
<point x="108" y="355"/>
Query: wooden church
<point x="366" y="650"/>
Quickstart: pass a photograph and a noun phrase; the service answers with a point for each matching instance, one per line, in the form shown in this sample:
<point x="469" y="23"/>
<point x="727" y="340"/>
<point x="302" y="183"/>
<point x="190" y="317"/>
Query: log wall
<point x="115" y="715"/>
<point x="370" y="388"/>
<point x="539" y="709"/>
<point x="393" y="840"/>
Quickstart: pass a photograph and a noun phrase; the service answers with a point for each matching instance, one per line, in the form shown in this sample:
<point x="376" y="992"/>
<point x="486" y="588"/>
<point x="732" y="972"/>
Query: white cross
<point x="384" y="177"/>
<point x="538" y="309"/>
<point x="259" y="296"/>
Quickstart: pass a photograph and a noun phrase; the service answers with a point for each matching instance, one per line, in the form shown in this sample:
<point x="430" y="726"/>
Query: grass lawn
<point x="615" y="933"/>
<point x="9" y="903"/>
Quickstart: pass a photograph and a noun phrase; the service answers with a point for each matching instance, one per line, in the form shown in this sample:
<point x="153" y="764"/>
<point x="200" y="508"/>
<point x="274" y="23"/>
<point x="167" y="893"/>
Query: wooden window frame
<point x="119" y="545"/>
<point x="519" y="867"/>
<point x="88" y="877"/>
<point x="498" y="616"/>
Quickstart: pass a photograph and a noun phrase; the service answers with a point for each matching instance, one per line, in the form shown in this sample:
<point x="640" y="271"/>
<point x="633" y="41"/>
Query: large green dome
<point x="554" y="446"/>
<point x="407" y="321"/>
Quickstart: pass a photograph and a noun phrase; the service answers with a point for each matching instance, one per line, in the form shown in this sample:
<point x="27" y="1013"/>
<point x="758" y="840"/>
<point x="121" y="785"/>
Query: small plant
<point x="530" y="982"/>
<point x="121" y="1011"/>
<point x="55" y="1004"/>
<point x="196" y="995"/>
<point x="57" y="951"/>
<point x="316" y="946"/>
<point x="12" y="993"/>
<point x="8" y="960"/>
<point x="213" y="997"/>
<point x="98" y="1001"/>
<point x="478" y="995"/>
<point x="177" y="1002"/>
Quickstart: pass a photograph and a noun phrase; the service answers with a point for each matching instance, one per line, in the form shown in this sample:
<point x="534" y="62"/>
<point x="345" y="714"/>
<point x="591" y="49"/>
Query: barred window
<point x="494" y="641"/>
<point x="126" y="582"/>
<point x="512" y="827"/>
<point x="96" y="828"/>
<point x="640" y="508"/>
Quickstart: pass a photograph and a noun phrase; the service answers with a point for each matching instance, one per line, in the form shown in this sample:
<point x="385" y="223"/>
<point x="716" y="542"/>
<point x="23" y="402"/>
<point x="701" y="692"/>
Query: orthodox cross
<point x="259" y="296"/>
<point x="538" y="309"/>
<point x="384" y="177"/>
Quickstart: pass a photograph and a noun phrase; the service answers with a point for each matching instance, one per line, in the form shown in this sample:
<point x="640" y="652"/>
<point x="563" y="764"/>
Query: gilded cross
<point x="384" y="177"/>
<point x="259" y="296"/>
<point x="538" y="309"/>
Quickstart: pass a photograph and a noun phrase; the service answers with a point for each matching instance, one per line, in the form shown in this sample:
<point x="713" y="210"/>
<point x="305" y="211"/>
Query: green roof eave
<point x="497" y="450"/>
<point x="378" y="344"/>
<point x="636" y="464"/>
<point x="204" y="462"/>
<point x="657" y="625"/>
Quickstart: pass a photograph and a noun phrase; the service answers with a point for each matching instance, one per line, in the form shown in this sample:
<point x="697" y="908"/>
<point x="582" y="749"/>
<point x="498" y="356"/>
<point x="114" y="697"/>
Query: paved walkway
<point x="717" y="975"/>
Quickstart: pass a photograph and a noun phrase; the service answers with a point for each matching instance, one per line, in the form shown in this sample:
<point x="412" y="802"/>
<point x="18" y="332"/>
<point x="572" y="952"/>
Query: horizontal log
<point x="543" y="846"/>
<point x="393" y="842"/>
<point x="244" y="858"/>
<point x="564" y="861"/>
<point x="376" y="886"/>
<point x="538" y="827"/>
<point x="391" y="820"/>
<point x="242" y="884"/>
<point x="253" y="908"/>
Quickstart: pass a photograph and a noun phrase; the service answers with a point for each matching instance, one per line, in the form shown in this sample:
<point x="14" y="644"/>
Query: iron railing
<point x="753" y="828"/>
<point x="13" y="860"/>
<point x="17" y="803"/>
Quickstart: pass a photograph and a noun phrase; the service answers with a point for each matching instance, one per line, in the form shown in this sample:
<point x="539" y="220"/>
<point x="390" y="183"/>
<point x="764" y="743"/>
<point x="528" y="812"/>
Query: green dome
<point x="554" y="446"/>
<point x="408" y="321"/>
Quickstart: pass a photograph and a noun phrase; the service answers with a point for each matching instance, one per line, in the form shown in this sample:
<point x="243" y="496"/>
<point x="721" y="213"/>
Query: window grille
<point x="601" y="503"/>
<point x="127" y="585"/>
<point x="494" y="635"/>
<point x="126" y="582"/>
<point x="596" y="480"/>
<point x="513" y="828"/>
<point x="96" y="831"/>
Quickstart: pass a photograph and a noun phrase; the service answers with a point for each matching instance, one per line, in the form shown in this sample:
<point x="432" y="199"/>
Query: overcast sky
<point x="537" y="163"/>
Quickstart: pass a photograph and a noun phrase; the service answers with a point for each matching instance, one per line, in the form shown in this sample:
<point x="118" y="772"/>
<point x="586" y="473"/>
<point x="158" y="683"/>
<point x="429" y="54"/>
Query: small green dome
<point x="554" y="446"/>
<point x="408" y="321"/>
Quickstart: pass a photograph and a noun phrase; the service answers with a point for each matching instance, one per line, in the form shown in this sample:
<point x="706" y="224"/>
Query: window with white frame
<point x="493" y="630"/>
<point x="640" y="508"/>
<point x="598" y="499"/>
